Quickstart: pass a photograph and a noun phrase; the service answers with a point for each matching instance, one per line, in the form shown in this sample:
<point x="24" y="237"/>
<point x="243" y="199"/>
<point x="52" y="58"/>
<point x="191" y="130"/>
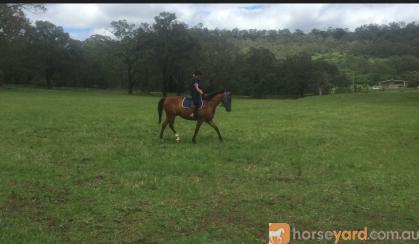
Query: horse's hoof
<point x="193" y="141"/>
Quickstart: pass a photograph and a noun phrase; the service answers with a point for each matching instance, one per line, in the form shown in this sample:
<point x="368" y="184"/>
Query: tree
<point x="412" y="77"/>
<point x="217" y="56"/>
<point x="13" y="22"/>
<point x="259" y="71"/>
<point x="162" y="27"/>
<point x="297" y="72"/>
<point x="323" y="75"/>
<point x="13" y="27"/>
<point x="128" y="48"/>
<point x="173" y="46"/>
<point x="254" y="62"/>
<point x="51" y="47"/>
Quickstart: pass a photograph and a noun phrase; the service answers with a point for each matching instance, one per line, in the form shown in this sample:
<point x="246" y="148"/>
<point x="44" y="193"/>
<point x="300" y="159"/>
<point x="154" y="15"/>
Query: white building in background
<point x="393" y="84"/>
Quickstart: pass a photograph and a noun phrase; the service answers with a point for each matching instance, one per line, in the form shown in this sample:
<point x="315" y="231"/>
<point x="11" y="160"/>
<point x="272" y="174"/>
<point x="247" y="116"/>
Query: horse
<point x="276" y="236"/>
<point x="172" y="105"/>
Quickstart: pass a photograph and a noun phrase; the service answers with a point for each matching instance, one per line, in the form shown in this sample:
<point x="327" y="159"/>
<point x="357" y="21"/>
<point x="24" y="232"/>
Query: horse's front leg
<point x="212" y="124"/>
<point x="198" y="125"/>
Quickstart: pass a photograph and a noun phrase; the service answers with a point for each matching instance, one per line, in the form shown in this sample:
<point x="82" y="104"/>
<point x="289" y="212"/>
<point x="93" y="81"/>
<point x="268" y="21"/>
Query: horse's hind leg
<point x="172" y="127"/>
<point x="198" y="125"/>
<point x="171" y="124"/>
<point x="163" y="126"/>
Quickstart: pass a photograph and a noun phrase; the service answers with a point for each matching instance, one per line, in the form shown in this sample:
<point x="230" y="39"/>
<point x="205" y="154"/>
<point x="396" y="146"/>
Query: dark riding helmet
<point x="197" y="72"/>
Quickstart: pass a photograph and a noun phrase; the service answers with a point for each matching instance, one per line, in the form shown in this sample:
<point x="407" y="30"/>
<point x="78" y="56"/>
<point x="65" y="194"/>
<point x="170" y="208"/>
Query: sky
<point x="84" y="20"/>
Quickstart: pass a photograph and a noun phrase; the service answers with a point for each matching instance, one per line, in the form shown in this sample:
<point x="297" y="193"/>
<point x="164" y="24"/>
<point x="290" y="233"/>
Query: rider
<point x="196" y="92"/>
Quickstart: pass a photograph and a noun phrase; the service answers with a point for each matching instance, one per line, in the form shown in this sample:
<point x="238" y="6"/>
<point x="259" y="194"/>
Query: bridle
<point x="225" y="98"/>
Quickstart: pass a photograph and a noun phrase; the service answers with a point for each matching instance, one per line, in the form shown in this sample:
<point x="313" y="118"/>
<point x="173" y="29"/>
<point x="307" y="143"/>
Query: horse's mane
<point x="210" y="96"/>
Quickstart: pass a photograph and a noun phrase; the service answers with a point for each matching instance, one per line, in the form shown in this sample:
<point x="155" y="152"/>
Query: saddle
<point x="187" y="102"/>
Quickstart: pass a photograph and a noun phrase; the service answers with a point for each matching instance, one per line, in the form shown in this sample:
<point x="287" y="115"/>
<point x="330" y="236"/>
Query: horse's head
<point x="227" y="100"/>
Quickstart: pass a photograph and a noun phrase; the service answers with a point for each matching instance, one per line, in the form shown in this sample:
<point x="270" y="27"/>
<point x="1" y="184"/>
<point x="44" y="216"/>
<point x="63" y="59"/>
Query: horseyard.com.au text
<point x="280" y="233"/>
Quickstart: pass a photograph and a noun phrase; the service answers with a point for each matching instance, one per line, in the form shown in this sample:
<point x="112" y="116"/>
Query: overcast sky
<point x="83" y="20"/>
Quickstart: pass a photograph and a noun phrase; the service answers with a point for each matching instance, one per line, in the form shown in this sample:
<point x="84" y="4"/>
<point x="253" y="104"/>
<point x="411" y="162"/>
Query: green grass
<point x="89" y="167"/>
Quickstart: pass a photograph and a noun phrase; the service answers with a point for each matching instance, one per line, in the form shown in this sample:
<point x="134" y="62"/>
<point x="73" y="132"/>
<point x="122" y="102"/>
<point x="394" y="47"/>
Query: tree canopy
<point x="160" y="56"/>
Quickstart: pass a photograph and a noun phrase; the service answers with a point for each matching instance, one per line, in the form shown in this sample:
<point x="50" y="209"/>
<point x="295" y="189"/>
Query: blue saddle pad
<point x="188" y="103"/>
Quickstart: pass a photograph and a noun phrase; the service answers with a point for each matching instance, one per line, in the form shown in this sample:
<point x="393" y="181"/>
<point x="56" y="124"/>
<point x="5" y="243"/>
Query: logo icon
<point x="279" y="233"/>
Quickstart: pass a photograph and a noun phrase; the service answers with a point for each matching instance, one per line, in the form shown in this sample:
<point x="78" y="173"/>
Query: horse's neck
<point x="216" y="100"/>
<point x="213" y="103"/>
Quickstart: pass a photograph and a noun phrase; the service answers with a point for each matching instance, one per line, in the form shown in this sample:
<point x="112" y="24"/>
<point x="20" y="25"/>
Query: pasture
<point x="80" y="166"/>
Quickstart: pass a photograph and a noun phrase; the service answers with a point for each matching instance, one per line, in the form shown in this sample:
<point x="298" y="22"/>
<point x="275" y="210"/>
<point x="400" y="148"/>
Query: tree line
<point x="161" y="56"/>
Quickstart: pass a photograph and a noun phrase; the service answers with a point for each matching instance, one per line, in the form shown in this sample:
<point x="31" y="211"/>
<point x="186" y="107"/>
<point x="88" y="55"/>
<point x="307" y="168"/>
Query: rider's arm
<point x="197" y="89"/>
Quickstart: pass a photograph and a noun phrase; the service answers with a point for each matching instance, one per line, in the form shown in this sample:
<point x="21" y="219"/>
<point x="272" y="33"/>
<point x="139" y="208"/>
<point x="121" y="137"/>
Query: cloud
<point x="96" y="18"/>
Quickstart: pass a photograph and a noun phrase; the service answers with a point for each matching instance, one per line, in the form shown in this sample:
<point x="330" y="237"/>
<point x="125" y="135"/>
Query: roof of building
<point x="394" y="81"/>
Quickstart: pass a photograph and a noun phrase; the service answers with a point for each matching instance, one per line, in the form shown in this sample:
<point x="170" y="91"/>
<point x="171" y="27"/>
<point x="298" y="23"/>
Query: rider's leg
<point x="195" y="109"/>
<point x="195" y="100"/>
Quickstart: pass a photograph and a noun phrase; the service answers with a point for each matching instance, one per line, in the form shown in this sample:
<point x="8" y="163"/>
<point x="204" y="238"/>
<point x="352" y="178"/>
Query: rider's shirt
<point x="194" y="92"/>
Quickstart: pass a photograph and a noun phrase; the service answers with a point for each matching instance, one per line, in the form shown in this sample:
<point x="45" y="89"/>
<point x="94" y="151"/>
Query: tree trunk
<point x="164" y="81"/>
<point x="180" y="86"/>
<point x="179" y="82"/>
<point x="320" y="91"/>
<point x="145" y="81"/>
<point x="48" y="75"/>
<point x="130" y="88"/>
<point x="130" y="81"/>
<point x="211" y="87"/>
<point x="1" y="77"/>
<point x="163" y="86"/>
<point x="301" y="91"/>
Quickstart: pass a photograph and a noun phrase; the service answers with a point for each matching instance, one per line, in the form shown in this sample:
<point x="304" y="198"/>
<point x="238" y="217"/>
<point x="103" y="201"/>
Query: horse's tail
<point x="160" y="108"/>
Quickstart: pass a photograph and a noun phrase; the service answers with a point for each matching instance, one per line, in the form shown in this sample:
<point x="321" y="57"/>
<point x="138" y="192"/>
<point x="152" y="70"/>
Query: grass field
<point x="89" y="167"/>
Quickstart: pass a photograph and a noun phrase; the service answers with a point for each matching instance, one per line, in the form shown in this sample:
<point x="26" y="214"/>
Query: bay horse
<point x="172" y="105"/>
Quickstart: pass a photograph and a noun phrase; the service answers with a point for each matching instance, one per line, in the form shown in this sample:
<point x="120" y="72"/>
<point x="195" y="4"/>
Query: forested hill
<point x="161" y="55"/>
